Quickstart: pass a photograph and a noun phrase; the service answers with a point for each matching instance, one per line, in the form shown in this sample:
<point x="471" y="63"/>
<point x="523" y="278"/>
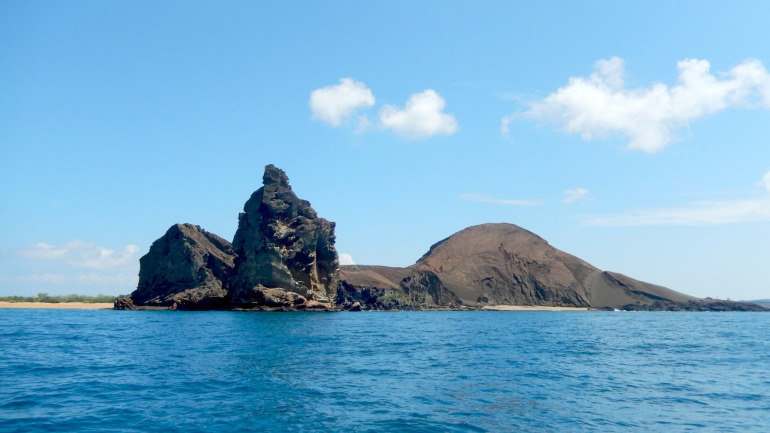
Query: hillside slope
<point x="503" y="264"/>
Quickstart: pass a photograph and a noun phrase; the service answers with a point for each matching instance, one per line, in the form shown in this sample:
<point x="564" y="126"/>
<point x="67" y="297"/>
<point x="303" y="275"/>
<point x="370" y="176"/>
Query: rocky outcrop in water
<point x="281" y="243"/>
<point x="282" y="257"/>
<point x="124" y="304"/>
<point x="384" y="288"/>
<point x="187" y="268"/>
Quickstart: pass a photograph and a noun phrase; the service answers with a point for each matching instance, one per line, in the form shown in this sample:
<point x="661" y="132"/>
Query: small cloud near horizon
<point x="46" y="278"/>
<point x="694" y="214"/>
<point x="601" y="105"/>
<point x="346" y="259"/>
<point x="503" y="201"/>
<point x="73" y="267"/>
<point x="573" y="195"/>
<point x="81" y="254"/>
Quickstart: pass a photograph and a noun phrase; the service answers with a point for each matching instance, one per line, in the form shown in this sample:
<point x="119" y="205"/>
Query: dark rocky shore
<point x="283" y="258"/>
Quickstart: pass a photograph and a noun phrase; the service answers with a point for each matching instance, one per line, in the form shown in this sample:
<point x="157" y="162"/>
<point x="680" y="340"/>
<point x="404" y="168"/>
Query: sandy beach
<point x="107" y="306"/>
<point x="58" y="305"/>
<point x="531" y="308"/>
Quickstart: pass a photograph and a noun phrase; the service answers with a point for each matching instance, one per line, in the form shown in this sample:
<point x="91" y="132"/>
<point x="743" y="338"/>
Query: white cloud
<point x="422" y="117"/>
<point x="363" y="124"/>
<point x="333" y="104"/>
<point x="346" y="259"/>
<point x="123" y="281"/>
<point x="504" y="201"/>
<point x="699" y="213"/>
<point x="694" y="214"/>
<point x="81" y="254"/>
<point x="112" y="279"/>
<point x="600" y="105"/>
<point x="573" y="195"/>
<point x="43" y="251"/>
<point x="504" y="129"/>
<point x="40" y="278"/>
<point x="765" y="182"/>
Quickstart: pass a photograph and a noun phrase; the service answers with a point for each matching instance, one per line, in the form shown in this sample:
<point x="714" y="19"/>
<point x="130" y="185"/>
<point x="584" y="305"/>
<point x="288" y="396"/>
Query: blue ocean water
<point x="163" y="371"/>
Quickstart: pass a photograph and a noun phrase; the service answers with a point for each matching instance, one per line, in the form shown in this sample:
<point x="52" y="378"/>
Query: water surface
<point x="163" y="371"/>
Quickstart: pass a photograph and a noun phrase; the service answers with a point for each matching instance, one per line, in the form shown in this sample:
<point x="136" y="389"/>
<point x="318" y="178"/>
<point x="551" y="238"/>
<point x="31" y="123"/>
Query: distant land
<point x="283" y="259"/>
<point x="60" y="305"/>
<point x="45" y="298"/>
<point x="763" y="302"/>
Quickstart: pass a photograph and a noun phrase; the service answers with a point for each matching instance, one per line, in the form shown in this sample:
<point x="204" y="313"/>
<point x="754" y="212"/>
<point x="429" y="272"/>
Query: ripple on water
<point x="70" y="370"/>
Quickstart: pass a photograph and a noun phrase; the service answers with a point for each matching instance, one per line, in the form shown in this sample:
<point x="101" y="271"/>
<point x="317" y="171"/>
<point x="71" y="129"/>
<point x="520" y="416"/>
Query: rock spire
<point x="281" y="243"/>
<point x="283" y="256"/>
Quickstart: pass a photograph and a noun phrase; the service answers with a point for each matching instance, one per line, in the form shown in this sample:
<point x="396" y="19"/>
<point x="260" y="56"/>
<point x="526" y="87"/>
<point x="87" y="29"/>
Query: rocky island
<point x="283" y="258"/>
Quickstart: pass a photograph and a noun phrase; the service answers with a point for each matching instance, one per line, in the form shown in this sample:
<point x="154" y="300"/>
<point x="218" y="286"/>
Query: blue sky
<point x="635" y="135"/>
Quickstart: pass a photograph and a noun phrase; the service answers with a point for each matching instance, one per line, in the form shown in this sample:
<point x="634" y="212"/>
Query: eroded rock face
<point x="124" y="304"/>
<point x="502" y="264"/>
<point x="281" y="243"/>
<point x="282" y="257"/>
<point x="187" y="268"/>
<point x="273" y="298"/>
<point x="385" y="288"/>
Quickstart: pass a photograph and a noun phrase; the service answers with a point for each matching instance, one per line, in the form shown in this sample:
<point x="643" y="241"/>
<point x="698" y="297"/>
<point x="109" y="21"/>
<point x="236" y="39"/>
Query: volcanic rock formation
<point x="502" y="264"/>
<point x="187" y="268"/>
<point x="283" y="257"/>
<point x="281" y="243"/>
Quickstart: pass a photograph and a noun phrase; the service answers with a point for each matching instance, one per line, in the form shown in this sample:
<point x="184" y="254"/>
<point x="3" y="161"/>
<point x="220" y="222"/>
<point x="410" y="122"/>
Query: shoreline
<point x="110" y="306"/>
<point x="59" y="305"/>
<point x="530" y="308"/>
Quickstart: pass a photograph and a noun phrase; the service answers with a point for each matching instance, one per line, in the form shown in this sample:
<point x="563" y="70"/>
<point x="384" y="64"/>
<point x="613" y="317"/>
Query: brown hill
<point x="503" y="264"/>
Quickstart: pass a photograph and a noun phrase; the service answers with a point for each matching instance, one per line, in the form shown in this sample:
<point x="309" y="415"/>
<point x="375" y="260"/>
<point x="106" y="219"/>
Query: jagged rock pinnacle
<point x="281" y="243"/>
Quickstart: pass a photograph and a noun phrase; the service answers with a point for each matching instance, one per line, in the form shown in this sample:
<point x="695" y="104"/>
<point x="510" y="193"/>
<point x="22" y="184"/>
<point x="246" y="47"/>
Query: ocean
<point x="165" y="371"/>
